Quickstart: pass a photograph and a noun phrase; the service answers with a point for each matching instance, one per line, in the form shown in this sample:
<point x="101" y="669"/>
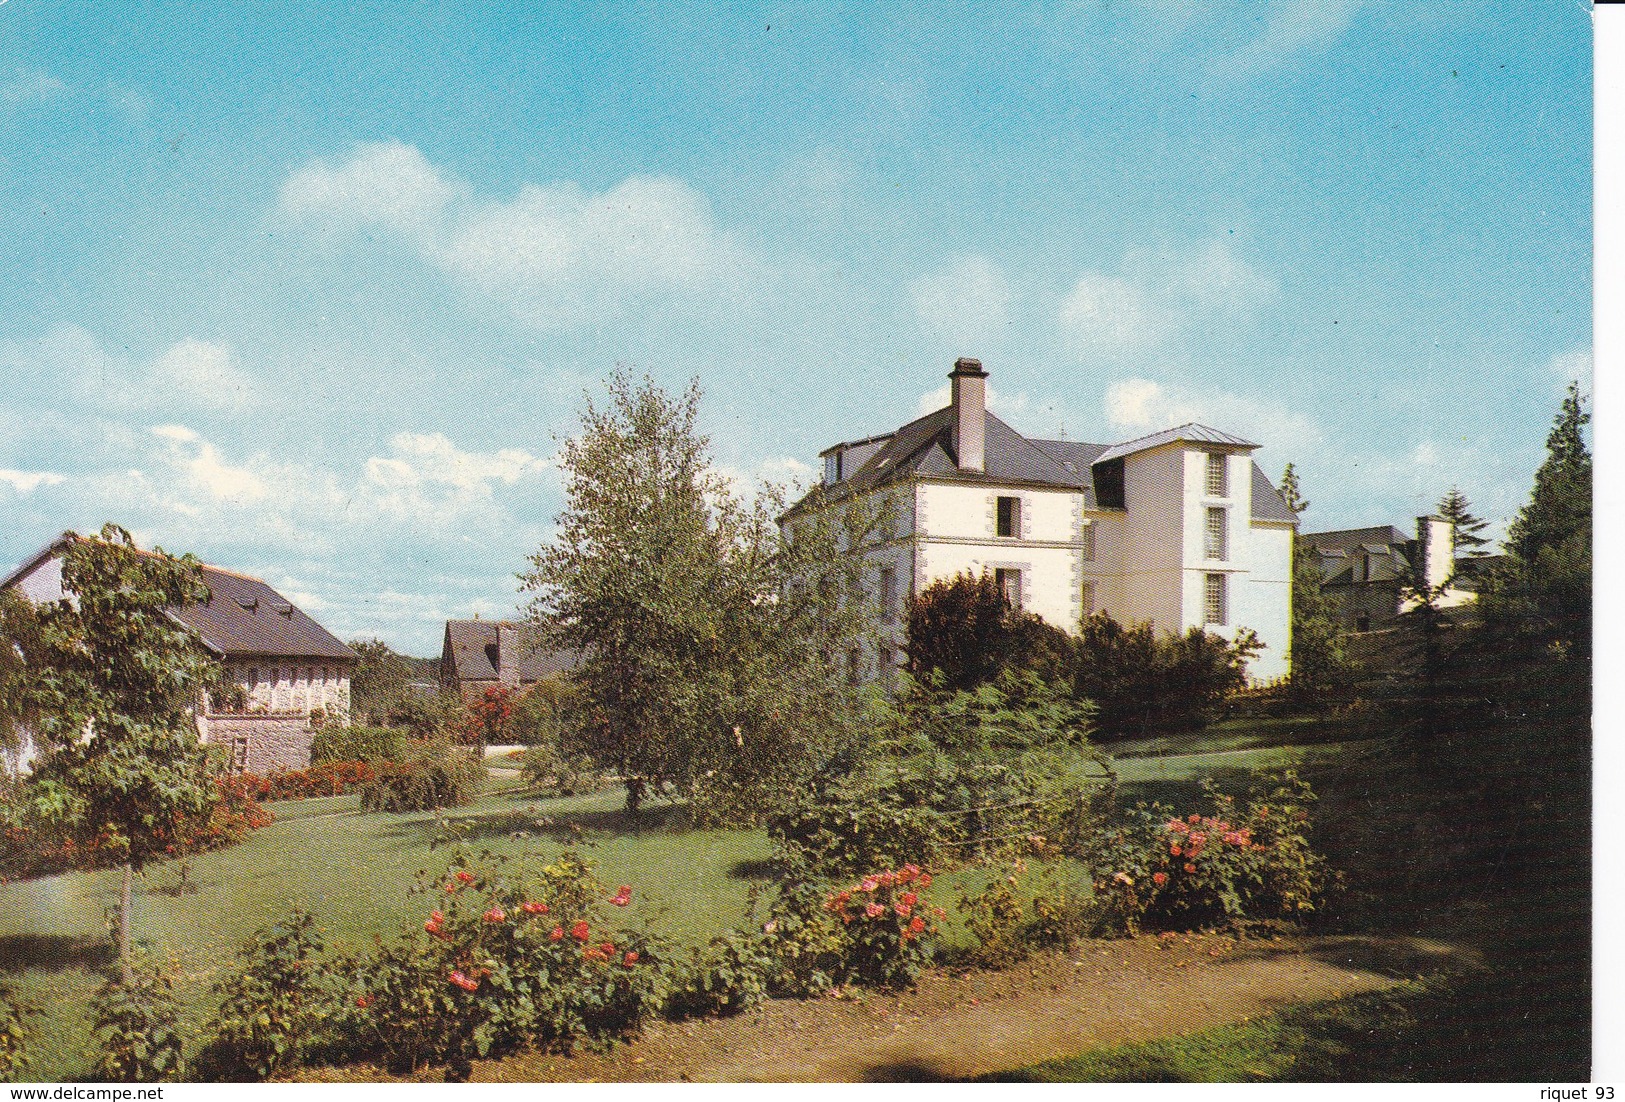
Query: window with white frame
<point x="1216" y="601"/>
<point x="1217" y="545"/>
<point x="1218" y="475"/>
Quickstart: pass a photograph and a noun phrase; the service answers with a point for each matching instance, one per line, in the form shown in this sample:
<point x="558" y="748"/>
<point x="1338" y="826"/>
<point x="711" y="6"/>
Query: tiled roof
<point x="474" y="648"/>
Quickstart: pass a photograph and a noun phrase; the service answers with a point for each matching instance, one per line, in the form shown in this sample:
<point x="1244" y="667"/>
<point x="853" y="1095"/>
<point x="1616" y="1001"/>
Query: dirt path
<point x="951" y="1027"/>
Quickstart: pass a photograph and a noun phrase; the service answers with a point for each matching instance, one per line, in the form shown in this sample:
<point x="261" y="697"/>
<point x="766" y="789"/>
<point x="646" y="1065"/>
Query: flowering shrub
<point x="137" y="1029"/>
<point x="1235" y="865"/>
<point x="500" y="961"/>
<point x="332" y="778"/>
<point x="879" y="932"/>
<point x="272" y="1006"/>
<point x="486" y="719"/>
<point x="14" y="1017"/>
<point x="432" y="774"/>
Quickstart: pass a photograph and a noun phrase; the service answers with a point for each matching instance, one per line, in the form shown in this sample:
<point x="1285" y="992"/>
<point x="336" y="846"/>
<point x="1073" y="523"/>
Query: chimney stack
<point x="969" y="383"/>
<point x="1436" y="539"/>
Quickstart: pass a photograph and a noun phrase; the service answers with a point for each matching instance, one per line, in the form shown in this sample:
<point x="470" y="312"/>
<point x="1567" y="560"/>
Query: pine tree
<point x="1320" y="662"/>
<point x="1455" y="508"/>
<point x="1543" y="588"/>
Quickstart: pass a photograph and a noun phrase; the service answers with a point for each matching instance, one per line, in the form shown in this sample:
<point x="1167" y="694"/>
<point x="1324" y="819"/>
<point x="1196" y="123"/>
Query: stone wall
<point x="261" y="744"/>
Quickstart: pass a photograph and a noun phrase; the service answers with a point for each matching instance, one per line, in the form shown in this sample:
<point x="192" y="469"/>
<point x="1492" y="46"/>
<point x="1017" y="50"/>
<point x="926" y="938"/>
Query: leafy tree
<point x="1321" y="667"/>
<point x="709" y="637"/>
<point x="380" y="681"/>
<point x="112" y="681"/>
<point x="1543" y="588"/>
<point x="1148" y="684"/>
<point x="964" y="630"/>
<point x="1455" y="508"/>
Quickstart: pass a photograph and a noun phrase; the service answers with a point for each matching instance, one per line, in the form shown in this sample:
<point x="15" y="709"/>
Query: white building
<point x="291" y="673"/>
<point x="1180" y="528"/>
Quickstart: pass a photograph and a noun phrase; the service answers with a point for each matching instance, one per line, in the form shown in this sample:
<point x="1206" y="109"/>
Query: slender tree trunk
<point x="122" y="935"/>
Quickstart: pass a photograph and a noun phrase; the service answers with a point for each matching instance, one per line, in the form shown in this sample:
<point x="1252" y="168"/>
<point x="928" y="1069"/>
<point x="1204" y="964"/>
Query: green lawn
<point x="353" y="872"/>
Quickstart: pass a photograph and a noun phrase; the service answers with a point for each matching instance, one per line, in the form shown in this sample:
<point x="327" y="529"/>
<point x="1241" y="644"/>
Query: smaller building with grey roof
<point x="481" y="654"/>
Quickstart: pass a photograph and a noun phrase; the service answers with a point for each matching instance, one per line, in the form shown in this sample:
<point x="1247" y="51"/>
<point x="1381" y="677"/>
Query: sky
<point x="315" y="291"/>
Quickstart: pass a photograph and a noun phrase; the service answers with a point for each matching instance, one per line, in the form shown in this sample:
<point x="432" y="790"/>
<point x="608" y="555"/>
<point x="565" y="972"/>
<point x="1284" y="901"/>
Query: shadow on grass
<point x="53" y="953"/>
<point x="568" y="827"/>
<point x="758" y="868"/>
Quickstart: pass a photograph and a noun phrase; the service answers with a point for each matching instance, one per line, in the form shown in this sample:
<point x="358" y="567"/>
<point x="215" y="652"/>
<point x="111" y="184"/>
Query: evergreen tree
<point x="1321" y="667"/>
<point x="1543" y="588"/>
<point x="1455" y="508"/>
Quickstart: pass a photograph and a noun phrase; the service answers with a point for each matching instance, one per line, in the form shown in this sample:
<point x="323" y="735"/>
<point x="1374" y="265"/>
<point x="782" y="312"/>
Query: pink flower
<point x="1195" y="818"/>
<point x="496" y="915"/>
<point x="903" y="910"/>
<point x="874" y="910"/>
<point x="907" y="872"/>
<point x="623" y="896"/>
<point x="869" y="884"/>
<point x="630" y="959"/>
<point x="909" y="899"/>
<point x="465" y="877"/>
<point x="534" y="908"/>
<point x="557" y="934"/>
<point x="463" y="981"/>
<point x="925" y="880"/>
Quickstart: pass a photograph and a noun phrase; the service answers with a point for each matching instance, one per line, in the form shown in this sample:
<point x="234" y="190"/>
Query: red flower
<point x="581" y="931"/>
<point x="909" y="899"/>
<point x="450" y="888"/>
<point x="436" y="917"/>
<point x="1159" y="878"/>
<point x="869" y="884"/>
<point x="363" y="1001"/>
<point x="907" y="873"/>
<point x="1195" y="818"/>
<point x="607" y="948"/>
<point x="534" y="908"/>
<point x="917" y="924"/>
<point x="630" y="959"/>
<point x="557" y="934"/>
<point x="465" y="877"/>
<point x="1189" y="867"/>
<point x="903" y="910"/>
<point x="463" y="981"/>
<point x="1174" y="850"/>
<point x="496" y="915"/>
<point x="925" y="880"/>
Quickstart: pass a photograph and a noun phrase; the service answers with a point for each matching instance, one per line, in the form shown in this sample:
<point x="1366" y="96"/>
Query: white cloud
<point x="71" y="363"/>
<point x="966" y="304"/>
<point x="1292" y="27"/>
<point x="1106" y="313"/>
<point x="26" y="482"/>
<point x="202" y="466"/>
<point x="1159" y="297"/>
<point x="1573" y="366"/>
<point x="387" y="184"/>
<point x="1137" y="406"/>
<point x="430" y="482"/>
<point x="30" y="86"/>
<point x="557" y="256"/>
<point x="205" y="371"/>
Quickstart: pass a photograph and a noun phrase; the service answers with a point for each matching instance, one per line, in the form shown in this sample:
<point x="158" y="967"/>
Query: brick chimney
<point x="970" y="408"/>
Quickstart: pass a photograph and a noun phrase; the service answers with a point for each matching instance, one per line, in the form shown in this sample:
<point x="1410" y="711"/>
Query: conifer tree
<point x="1455" y="508"/>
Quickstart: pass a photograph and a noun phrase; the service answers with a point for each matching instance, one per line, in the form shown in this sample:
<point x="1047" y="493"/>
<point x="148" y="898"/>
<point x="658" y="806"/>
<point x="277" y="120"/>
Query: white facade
<point x="1187" y="547"/>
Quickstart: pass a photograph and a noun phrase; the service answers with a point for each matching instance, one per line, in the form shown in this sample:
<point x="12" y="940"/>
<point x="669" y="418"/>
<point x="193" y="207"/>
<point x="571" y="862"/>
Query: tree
<point x="1321" y="668"/>
<point x="1455" y="508"/>
<point x="964" y="630"/>
<point x="1148" y="684"/>
<point x="709" y="638"/>
<point x="380" y="681"/>
<point x="1543" y="587"/>
<point x="112" y="682"/>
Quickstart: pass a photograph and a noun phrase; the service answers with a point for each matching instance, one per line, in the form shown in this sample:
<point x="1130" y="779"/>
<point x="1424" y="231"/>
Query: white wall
<point x="1264" y="602"/>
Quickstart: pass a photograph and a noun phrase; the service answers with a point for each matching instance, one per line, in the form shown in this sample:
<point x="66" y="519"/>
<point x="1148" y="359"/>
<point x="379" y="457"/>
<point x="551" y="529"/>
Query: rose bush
<point x="1238" y="864"/>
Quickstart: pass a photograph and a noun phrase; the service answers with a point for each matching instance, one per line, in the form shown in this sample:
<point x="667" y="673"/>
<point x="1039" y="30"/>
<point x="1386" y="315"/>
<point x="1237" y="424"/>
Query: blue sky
<point x="314" y="291"/>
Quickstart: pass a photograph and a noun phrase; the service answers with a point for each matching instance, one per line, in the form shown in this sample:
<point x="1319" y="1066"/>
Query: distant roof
<point x="1190" y="433"/>
<point x="1268" y="504"/>
<point x="243" y="616"/>
<point x="474" y="647"/>
<point x="1353" y="539"/>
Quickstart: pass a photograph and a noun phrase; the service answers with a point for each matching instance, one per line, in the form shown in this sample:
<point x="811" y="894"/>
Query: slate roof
<point x="924" y="447"/>
<point x="473" y="647"/>
<point x="1354" y="539"/>
<point x="243" y="616"/>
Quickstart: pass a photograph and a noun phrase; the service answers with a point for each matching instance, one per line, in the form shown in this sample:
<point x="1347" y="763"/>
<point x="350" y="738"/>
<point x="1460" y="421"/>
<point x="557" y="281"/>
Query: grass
<point x="353" y="872"/>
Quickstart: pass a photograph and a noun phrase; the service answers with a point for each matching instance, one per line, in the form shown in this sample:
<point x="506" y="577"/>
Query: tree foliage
<point x="1466" y="540"/>
<point x="112" y="680"/>
<point x="964" y="630"/>
<point x="1322" y="670"/>
<point x="1543" y="587"/>
<point x="708" y="637"/>
<point x="1145" y="683"/>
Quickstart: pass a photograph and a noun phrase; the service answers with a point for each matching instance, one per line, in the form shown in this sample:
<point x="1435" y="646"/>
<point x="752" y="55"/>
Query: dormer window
<point x="1218" y="475"/>
<point x="832" y="468"/>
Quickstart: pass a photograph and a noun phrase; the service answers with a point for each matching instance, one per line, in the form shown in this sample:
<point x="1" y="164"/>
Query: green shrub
<point x="993" y="917"/>
<point x="501" y="961"/>
<point x="543" y="767"/>
<point x="14" y="1016"/>
<point x="431" y="774"/>
<point x="276" y="1002"/>
<point x="965" y="631"/>
<point x="1146" y="684"/>
<point x="1234" y="866"/>
<point x="729" y="975"/>
<point x="137" y="1029"/>
<point x="350" y="744"/>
